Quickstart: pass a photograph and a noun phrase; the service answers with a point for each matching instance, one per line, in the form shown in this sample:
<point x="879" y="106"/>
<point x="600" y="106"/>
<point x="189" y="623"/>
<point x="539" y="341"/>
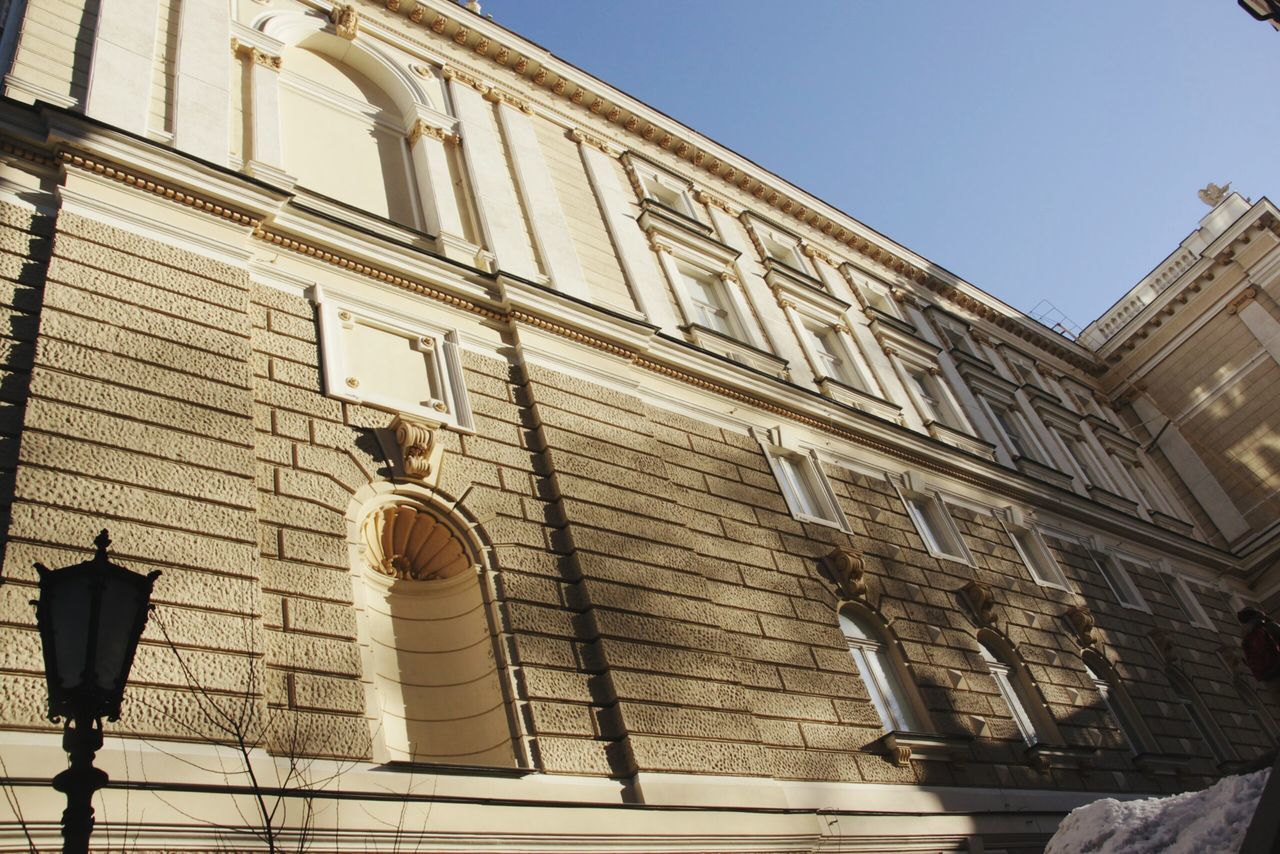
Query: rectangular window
<point x="710" y="302"/>
<point x="833" y="357"/>
<point x="1115" y="572"/>
<point x="667" y="193"/>
<point x="936" y="527"/>
<point x="1020" y="717"/>
<point x="1187" y="602"/>
<point x="935" y="402"/>
<point x="1036" y="555"/>
<point x="1024" y="371"/>
<point x="805" y="488"/>
<point x="1016" y="431"/>
<point x="786" y="252"/>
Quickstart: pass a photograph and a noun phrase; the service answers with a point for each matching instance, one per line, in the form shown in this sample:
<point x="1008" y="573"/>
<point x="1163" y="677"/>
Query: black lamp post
<point x="91" y="616"/>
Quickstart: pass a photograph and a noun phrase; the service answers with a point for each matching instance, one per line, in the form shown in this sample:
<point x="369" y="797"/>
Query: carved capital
<point x="451" y="73"/>
<point x="715" y="202"/>
<point x="1242" y="299"/>
<point x="257" y="57"/>
<point x="421" y="129"/>
<point x="346" y="20"/>
<point x="497" y="96"/>
<point x="817" y="254"/>
<point x="655" y="243"/>
<point x="420" y="453"/>
<point x="981" y="602"/>
<point x="583" y="138"/>
<point x="785" y="304"/>
<point x="1080" y="619"/>
<point x="845" y="568"/>
<point x="728" y="276"/>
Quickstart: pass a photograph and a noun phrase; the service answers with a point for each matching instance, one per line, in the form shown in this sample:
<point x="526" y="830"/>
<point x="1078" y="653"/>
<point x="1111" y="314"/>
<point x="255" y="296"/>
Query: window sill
<point x="735" y="350"/>
<point x="657" y="208"/>
<point x="860" y="400"/>
<point x="1172" y="523"/>
<point x="819" y="520"/>
<point x="1042" y="472"/>
<point x="901" y="746"/>
<point x="1107" y="498"/>
<point x="1046" y="756"/>
<point x="957" y="438"/>
<point x="1163" y="763"/>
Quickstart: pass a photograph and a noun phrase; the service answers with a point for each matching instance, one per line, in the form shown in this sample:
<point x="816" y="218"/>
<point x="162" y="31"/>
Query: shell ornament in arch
<point x="409" y="543"/>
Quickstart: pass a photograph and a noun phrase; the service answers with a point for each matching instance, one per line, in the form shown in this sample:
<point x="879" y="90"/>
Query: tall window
<point x="929" y="513"/>
<point x="880" y="673"/>
<point x="1115" y="571"/>
<point x="1118" y="704"/>
<point x="1188" y="698"/>
<point x="1186" y="600"/>
<point x="710" y="301"/>
<point x="1037" y="557"/>
<point x="804" y="487"/>
<point x="833" y="357"/>
<point x="667" y="192"/>
<point x="1008" y="683"/>
<point x="1016" y="431"/>
<point x="935" y="402"/>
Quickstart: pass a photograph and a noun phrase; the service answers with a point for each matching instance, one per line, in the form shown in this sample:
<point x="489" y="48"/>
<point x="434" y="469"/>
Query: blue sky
<point x="1039" y="150"/>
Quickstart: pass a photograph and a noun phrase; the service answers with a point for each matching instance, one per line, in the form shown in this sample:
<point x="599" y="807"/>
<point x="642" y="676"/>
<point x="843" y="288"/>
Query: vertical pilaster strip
<point x="643" y="276"/>
<point x="496" y="202"/>
<point x="548" y="224"/>
<point x="435" y="182"/>
<point x="266" y="144"/>
<point x="120" y="73"/>
<point x="1194" y="473"/>
<point x="201" y="115"/>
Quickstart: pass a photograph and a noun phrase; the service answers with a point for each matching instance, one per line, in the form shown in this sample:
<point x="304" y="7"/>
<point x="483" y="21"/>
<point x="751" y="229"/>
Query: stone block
<point x="669" y="690"/>
<point x="697" y="756"/>
<point x="563" y="719"/>
<point x="561" y="685"/>
<point x="313" y="548"/>
<point x="614" y="624"/>
<point x="688" y="723"/>
<point x="326" y="694"/>
<point x="574" y="756"/>
<point x="791" y="706"/>
<point x="311" y="653"/>
<point x="814" y="765"/>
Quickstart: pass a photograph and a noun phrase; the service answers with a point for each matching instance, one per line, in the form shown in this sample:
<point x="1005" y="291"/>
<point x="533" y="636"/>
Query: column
<point x="265" y="158"/>
<point x="430" y="137"/>
<point x="533" y="179"/>
<point x="498" y="207"/>
<point x="202" y="80"/>
<point x="643" y="276"/>
<point x="123" y="54"/>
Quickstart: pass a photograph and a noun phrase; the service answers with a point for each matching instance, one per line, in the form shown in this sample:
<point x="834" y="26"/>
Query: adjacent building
<point x="528" y="471"/>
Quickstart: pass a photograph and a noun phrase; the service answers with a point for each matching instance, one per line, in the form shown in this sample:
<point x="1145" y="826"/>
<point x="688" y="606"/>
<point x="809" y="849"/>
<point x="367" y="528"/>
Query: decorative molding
<point x="255" y="55"/>
<point x="816" y="254"/>
<point x="583" y="138"/>
<point x="421" y="128"/>
<point x="846" y="569"/>
<point x="498" y="96"/>
<point x="981" y="603"/>
<point x="1242" y="299"/>
<point x="451" y="73"/>
<point x="716" y="202"/>
<point x="346" y="20"/>
<point x="420" y="453"/>
<point x="1082" y="624"/>
<point x="404" y="542"/>
<point x="142" y="183"/>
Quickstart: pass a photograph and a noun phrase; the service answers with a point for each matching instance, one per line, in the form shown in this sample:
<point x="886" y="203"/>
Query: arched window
<point x="1118" y="702"/>
<point x="882" y="671"/>
<point x="1016" y="690"/>
<point x="440" y="691"/>
<point x="1186" y="696"/>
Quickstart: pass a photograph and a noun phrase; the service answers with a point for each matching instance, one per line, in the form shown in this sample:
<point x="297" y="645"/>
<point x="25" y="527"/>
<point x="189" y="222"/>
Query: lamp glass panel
<point x="116" y="621"/>
<point x="69" y="608"/>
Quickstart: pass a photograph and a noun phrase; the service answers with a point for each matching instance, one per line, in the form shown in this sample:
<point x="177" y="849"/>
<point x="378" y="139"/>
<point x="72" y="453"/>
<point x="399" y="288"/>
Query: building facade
<point x="528" y="471"/>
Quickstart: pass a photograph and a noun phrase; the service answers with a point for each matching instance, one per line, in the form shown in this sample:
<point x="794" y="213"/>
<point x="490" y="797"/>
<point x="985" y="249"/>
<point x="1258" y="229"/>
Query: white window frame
<point x="925" y="384"/>
<point x="1111" y="567"/>
<point x="804" y="485"/>
<point x="1027" y="444"/>
<point x="449" y="404"/>
<point x="1035" y="554"/>
<point x="1186" y="599"/>
<point x="651" y="181"/>
<point x="1022" y="717"/>
<point x="880" y="675"/>
<point x="874" y="294"/>
<point x="715" y="284"/>
<point x="1200" y="716"/>
<point x="1116" y="708"/>
<point x="1018" y="365"/>
<point x="791" y="254"/>
<point x="955" y="336"/>
<point x="857" y="373"/>
<point x="939" y="534"/>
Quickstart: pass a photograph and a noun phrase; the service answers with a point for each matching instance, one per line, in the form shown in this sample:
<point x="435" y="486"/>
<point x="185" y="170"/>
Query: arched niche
<point x="437" y="689"/>
<point x="1017" y="688"/>
<point x="883" y="670"/>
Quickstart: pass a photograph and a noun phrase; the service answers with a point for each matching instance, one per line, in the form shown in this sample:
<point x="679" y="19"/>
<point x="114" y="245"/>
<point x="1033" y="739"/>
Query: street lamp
<point x="90" y="616"/>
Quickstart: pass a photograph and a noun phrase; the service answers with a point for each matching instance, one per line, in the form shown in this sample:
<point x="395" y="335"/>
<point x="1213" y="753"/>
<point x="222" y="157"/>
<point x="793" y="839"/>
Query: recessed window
<point x="1016" y="431"/>
<point x="881" y="674"/>
<point x="1009" y="685"/>
<point x="1119" y="705"/>
<point x="1186" y="696"/>
<point x="1024" y="371"/>
<point x="1186" y="600"/>
<point x="1115" y="571"/>
<point x="668" y="193"/>
<point x="786" y="251"/>
<point x="710" y="302"/>
<point x="934" y="400"/>
<point x="955" y="337"/>
<point x="1037" y="557"/>
<point x="936" y="527"/>
<point x="877" y="296"/>
<point x="805" y="488"/>
<point x="833" y="357"/>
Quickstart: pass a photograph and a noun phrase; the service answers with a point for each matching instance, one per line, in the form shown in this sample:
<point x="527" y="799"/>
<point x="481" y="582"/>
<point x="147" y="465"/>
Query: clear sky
<point x="1039" y="150"/>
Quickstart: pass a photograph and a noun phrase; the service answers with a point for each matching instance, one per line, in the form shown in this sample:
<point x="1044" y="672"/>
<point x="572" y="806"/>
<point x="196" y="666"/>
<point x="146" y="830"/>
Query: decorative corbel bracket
<point x="981" y="602"/>
<point x="1082" y="624"/>
<point x="847" y="571"/>
<point x="421" y="455"/>
<point x="346" y="20"/>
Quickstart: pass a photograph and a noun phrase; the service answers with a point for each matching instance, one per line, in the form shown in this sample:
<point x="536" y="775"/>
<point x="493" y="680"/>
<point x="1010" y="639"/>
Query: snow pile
<point x="1215" y="819"/>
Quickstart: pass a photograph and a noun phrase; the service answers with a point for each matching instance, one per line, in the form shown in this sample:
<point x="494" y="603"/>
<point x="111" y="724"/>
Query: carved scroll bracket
<point x="847" y="571"/>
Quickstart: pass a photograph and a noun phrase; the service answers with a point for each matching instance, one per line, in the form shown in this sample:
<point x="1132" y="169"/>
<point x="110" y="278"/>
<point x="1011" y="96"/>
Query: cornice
<point x="506" y="50"/>
<point x="1215" y="260"/>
